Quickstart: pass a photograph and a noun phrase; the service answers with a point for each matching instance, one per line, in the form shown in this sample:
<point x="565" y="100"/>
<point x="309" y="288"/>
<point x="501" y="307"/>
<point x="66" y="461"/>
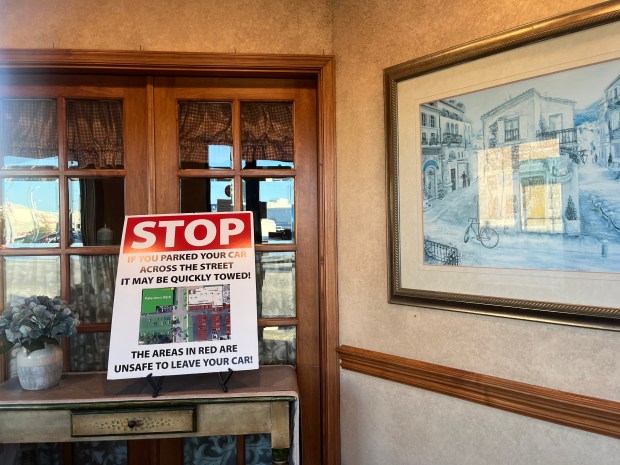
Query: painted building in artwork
<point x="609" y="124"/>
<point x="446" y="148"/>
<point x="527" y="171"/>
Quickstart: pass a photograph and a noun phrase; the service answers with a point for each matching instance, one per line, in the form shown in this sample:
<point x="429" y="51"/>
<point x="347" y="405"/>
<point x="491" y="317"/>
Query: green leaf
<point x="36" y="344"/>
<point x="5" y="344"/>
<point x="49" y="340"/>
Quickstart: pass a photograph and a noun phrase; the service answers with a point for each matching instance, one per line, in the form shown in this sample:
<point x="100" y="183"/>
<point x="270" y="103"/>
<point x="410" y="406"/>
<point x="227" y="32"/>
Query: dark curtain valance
<point x="95" y="130"/>
<point x="202" y="124"/>
<point x="29" y="128"/>
<point x="95" y="133"/>
<point x="267" y="131"/>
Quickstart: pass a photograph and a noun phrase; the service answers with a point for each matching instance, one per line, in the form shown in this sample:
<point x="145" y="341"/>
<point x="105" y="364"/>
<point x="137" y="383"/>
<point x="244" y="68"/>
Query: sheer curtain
<point x="92" y="292"/>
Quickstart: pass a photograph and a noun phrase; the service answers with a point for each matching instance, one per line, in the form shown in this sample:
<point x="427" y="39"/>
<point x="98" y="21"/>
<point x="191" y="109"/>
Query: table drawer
<point x="114" y="423"/>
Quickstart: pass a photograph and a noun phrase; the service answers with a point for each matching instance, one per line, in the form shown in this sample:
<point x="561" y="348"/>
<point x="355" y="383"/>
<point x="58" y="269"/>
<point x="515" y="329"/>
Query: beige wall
<point x="369" y="36"/>
<point x="382" y="422"/>
<point x="387" y="423"/>
<point x="230" y="26"/>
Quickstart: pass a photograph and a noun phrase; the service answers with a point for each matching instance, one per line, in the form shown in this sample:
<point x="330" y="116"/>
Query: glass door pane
<point x="275" y="284"/>
<point x="273" y="201"/>
<point x="205" y="135"/>
<point x="31" y="212"/>
<point x="95" y="134"/>
<point x="27" y="275"/>
<point x="28" y="133"/>
<point x="267" y="135"/>
<point x="207" y="195"/>
<point x="96" y="210"/>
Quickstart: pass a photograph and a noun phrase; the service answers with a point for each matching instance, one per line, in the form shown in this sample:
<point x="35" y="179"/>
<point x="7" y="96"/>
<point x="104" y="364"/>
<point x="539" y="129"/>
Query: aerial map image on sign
<point x="185" y="314"/>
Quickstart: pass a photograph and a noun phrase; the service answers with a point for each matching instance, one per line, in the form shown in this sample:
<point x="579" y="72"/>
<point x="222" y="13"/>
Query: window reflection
<point x="96" y="211"/>
<point x="30" y="212"/>
<point x="207" y="195"/>
<point x="530" y="201"/>
<point x="277" y="345"/>
<point x="273" y="202"/>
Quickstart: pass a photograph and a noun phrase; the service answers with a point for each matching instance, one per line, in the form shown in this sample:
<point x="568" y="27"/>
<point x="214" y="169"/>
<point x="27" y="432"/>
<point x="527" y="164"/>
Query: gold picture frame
<point x="491" y="153"/>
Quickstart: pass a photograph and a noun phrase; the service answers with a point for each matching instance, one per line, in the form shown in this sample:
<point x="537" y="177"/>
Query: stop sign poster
<point x="185" y="299"/>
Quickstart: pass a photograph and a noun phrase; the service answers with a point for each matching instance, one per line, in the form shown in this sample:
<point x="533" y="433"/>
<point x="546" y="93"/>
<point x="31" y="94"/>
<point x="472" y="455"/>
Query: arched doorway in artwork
<point x="430" y="170"/>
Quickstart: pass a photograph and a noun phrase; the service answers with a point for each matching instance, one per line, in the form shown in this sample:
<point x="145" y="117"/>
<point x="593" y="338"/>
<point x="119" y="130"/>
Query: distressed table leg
<point x="280" y="428"/>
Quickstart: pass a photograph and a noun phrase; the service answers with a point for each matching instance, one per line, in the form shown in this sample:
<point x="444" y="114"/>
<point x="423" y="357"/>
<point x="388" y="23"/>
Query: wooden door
<point x="535" y="206"/>
<point x="250" y="144"/>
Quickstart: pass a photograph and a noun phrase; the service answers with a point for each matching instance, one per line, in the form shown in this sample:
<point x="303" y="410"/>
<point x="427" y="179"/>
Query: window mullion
<point x="63" y="215"/>
<point x="238" y="200"/>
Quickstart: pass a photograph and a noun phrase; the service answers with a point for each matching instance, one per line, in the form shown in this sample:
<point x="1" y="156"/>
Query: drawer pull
<point x="134" y="423"/>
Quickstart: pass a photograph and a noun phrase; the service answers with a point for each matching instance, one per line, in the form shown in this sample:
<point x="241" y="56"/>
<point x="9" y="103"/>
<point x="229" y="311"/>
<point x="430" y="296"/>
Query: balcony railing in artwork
<point x="449" y="138"/>
<point x="433" y="141"/>
<point x="564" y="136"/>
<point x="511" y="135"/>
<point x="438" y="253"/>
<point x="613" y="103"/>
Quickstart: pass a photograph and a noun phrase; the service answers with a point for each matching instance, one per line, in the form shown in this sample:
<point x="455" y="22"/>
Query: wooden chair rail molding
<point x="587" y="413"/>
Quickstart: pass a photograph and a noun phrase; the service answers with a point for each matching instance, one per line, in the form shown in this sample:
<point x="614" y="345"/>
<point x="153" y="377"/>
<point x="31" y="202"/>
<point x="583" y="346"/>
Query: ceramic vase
<point x="40" y="369"/>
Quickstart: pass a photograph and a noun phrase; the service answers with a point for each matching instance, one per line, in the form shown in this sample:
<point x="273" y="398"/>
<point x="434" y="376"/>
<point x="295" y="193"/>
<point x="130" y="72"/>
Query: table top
<point x="91" y="388"/>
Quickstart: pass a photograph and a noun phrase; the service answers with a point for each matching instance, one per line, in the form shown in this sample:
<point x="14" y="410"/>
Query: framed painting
<point x="504" y="173"/>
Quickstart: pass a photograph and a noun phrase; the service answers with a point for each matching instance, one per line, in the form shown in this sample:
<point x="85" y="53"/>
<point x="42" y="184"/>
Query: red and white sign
<point x="185" y="299"/>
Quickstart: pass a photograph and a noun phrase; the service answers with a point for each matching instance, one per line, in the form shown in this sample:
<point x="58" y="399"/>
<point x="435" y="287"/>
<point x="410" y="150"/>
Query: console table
<point x="88" y="407"/>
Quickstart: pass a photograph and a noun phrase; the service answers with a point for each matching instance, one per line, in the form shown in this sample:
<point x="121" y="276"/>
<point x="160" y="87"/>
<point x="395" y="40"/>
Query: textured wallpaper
<point x="560" y="357"/>
<point x="387" y="423"/>
<point x="233" y="26"/>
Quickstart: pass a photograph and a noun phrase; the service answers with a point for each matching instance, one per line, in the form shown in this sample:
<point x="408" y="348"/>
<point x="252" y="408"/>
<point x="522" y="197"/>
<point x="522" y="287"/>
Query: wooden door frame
<point x="318" y="67"/>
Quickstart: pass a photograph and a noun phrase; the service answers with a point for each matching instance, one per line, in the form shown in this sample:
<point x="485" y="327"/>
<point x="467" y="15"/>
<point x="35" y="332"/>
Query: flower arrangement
<point x="39" y="319"/>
